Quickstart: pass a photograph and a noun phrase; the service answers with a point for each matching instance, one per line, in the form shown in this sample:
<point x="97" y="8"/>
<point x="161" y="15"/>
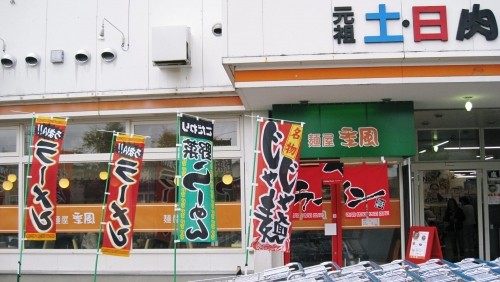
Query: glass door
<point x="450" y="203"/>
<point x="492" y="209"/>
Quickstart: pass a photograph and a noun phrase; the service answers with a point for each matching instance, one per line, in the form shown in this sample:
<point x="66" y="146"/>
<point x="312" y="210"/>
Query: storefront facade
<point x="330" y="64"/>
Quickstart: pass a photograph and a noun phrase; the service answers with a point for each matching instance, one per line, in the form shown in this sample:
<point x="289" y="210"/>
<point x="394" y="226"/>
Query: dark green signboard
<point x="353" y="130"/>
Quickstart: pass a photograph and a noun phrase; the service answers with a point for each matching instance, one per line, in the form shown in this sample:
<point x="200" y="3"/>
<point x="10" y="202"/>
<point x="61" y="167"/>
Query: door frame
<point x="482" y="209"/>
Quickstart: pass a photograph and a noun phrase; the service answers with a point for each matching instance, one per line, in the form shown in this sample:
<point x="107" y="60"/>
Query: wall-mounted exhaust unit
<point x="171" y="46"/>
<point x="82" y="56"/>
<point x="32" y="59"/>
<point x="108" y="55"/>
<point x="7" y="60"/>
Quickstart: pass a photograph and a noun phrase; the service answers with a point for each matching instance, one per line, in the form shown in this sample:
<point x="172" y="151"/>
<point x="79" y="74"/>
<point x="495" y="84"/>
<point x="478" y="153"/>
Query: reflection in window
<point x="8" y="140"/>
<point x="84" y="184"/>
<point x="9" y="179"/>
<point x="393" y="178"/>
<point x="358" y="245"/>
<point x="89" y="138"/>
<point x="165" y="240"/>
<point x="310" y="247"/>
<point x="8" y="241"/>
<point x="87" y="240"/>
<point x="225" y="133"/>
<point x="163" y="135"/>
<point x="456" y="144"/>
<point x="492" y="144"/>
<point x="157" y="181"/>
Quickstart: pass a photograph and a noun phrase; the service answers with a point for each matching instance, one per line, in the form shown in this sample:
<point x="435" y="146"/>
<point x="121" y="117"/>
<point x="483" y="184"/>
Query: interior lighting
<point x="468" y="104"/>
<point x="227" y="179"/>
<point x="12" y="177"/>
<point x="64" y="183"/>
<point x="103" y="175"/>
<point x="7" y="185"/>
<point x="436" y="147"/>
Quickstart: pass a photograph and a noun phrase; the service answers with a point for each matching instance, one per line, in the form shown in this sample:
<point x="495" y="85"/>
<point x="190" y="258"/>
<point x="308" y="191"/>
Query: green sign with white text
<point x="353" y="130"/>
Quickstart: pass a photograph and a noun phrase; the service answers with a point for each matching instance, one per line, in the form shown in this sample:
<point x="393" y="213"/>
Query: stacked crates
<point x="467" y="270"/>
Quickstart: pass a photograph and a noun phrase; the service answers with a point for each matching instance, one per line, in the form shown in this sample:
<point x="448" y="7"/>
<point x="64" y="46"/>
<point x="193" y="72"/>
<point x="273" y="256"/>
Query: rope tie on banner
<point x="261" y="119"/>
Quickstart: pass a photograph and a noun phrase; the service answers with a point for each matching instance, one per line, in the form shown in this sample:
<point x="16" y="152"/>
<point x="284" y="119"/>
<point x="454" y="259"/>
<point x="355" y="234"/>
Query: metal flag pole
<point x="254" y="183"/>
<point x="25" y="199"/>
<point x="176" y="195"/>
<point x="104" y="200"/>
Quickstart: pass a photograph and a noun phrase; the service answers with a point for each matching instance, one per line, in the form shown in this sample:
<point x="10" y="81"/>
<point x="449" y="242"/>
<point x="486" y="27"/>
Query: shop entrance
<point x="450" y="200"/>
<point x="321" y="241"/>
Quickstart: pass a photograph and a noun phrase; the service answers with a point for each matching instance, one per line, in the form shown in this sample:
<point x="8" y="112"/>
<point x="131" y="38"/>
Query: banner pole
<point x="257" y="134"/>
<point x="103" y="206"/>
<point x="176" y="182"/>
<point x="25" y="199"/>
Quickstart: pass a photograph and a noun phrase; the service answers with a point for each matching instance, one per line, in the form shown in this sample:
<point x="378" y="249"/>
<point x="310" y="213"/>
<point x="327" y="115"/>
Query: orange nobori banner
<point x="122" y="199"/>
<point x="48" y="136"/>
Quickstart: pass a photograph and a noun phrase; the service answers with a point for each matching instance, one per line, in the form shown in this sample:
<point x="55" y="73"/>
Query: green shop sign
<point x="353" y="130"/>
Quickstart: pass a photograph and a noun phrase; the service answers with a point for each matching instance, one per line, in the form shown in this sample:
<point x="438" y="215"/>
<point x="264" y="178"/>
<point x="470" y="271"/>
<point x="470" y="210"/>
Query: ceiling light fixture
<point x="468" y="104"/>
<point x="436" y="147"/>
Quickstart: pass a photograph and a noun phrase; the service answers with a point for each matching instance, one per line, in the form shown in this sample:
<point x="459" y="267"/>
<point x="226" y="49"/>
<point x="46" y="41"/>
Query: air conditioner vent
<point x="170" y="46"/>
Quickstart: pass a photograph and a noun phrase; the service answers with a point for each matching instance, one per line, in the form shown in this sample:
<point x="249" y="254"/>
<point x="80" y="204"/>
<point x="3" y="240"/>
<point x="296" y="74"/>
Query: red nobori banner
<point x="122" y="198"/>
<point x="366" y="188"/>
<point x="308" y="202"/>
<point x="48" y="136"/>
<point x="276" y="177"/>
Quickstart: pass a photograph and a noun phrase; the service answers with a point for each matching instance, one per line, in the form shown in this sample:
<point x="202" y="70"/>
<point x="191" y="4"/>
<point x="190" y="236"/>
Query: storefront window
<point x="79" y="205"/>
<point x="165" y="240"/>
<point x="377" y="245"/>
<point x="163" y="135"/>
<point x="442" y="145"/>
<point x="492" y="144"/>
<point x="157" y="181"/>
<point x="88" y="138"/>
<point x="8" y="140"/>
<point x="9" y="179"/>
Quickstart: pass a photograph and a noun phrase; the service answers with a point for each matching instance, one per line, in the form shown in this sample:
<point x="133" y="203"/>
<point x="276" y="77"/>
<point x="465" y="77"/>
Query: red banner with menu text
<point x="308" y="204"/>
<point x="276" y="177"/>
<point x="41" y="204"/>
<point x="366" y="188"/>
<point x="122" y="198"/>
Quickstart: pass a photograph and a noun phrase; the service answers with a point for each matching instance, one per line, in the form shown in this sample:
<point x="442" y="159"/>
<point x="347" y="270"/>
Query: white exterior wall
<point x="250" y="29"/>
<point x="301" y="27"/>
<point x="42" y="26"/>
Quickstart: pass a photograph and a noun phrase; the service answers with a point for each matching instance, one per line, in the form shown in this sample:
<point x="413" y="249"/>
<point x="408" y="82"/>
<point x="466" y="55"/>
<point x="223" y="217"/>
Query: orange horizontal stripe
<point x="123" y="105"/>
<point x="366" y="72"/>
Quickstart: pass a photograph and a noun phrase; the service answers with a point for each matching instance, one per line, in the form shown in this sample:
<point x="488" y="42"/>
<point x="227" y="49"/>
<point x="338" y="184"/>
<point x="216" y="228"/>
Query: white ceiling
<point x="435" y="104"/>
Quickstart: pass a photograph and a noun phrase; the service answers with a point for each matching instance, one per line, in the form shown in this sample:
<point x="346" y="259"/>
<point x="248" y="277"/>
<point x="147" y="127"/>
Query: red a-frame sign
<point x="423" y="244"/>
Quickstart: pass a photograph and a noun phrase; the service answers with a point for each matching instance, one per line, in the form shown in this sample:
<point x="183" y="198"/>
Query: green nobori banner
<point x="353" y="130"/>
<point x="197" y="222"/>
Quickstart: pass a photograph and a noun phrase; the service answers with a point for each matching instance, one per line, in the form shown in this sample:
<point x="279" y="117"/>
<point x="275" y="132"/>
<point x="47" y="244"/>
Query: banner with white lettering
<point x="308" y="203"/>
<point x="276" y="177"/>
<point x="48" y="134"/>
<point x="124" y="180"/>
<point x="197" y="222"/>
<point x="366" y="188"/>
